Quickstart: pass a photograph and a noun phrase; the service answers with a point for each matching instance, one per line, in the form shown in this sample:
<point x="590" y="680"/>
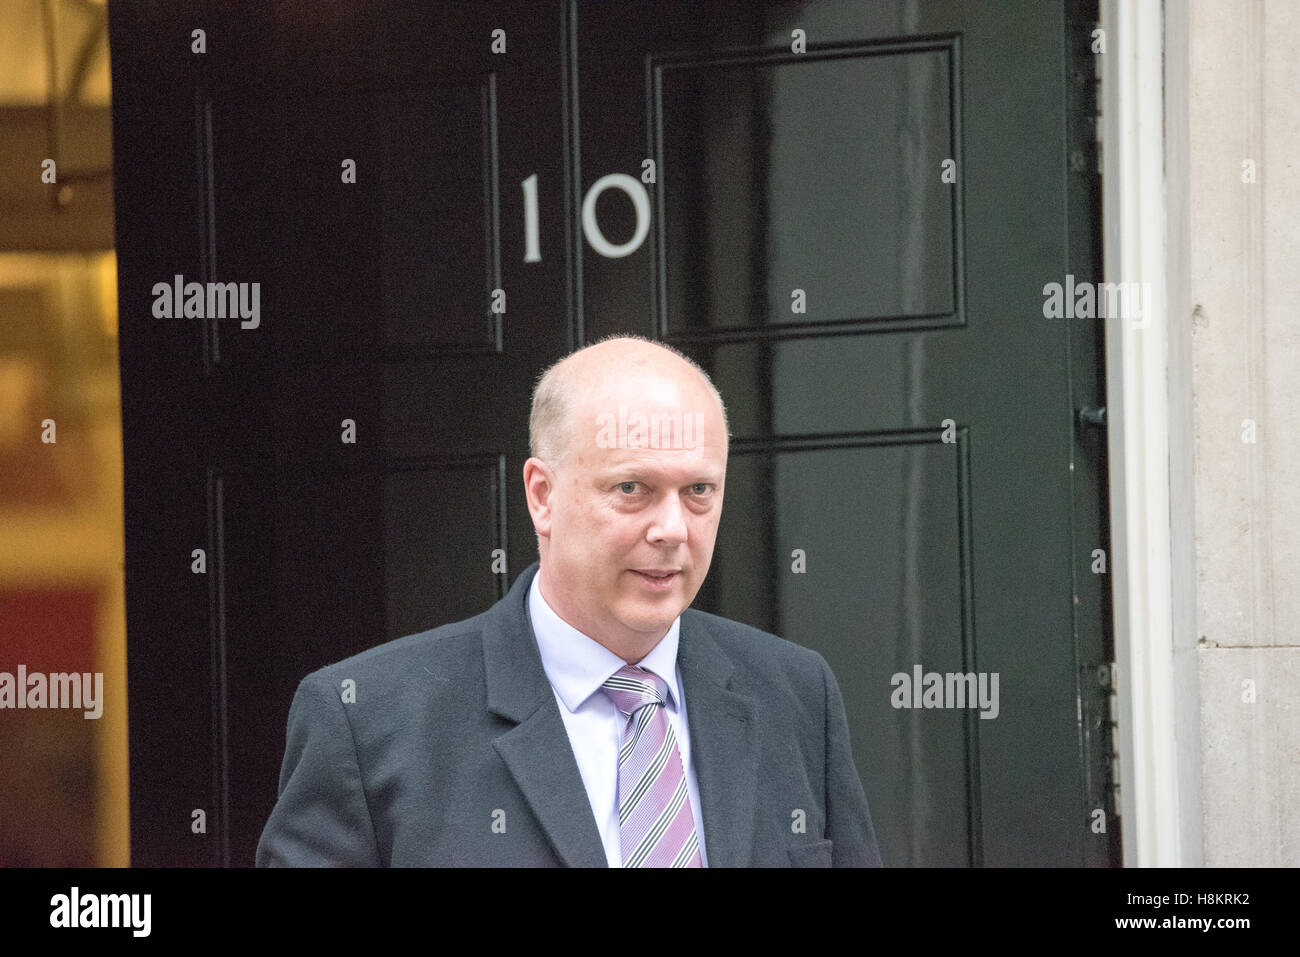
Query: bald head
<point x="625" y="488"/>
<point x="593" y="377"/>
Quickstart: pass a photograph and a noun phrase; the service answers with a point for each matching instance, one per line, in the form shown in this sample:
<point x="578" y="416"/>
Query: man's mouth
<point x="657" y="577"/>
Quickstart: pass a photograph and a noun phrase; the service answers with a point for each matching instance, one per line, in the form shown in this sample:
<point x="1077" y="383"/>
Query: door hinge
<point x="1098" y="708"/>
<point x="1110" y="724"/>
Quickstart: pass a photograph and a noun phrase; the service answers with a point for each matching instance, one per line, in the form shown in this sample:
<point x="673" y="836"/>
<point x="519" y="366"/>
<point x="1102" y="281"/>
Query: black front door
<point x="846" y="211"/>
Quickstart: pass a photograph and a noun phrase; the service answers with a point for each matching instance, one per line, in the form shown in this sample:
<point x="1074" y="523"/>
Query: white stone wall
<point x="1244" y="256"/>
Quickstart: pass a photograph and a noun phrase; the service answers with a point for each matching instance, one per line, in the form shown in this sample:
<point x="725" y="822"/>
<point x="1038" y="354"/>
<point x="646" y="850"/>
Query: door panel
<point x="850" y="211"/>
<point x="880" y="521"/>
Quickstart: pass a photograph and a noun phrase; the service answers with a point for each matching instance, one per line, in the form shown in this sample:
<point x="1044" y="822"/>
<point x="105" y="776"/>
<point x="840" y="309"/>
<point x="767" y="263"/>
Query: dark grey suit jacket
<point x="454" y="753"/>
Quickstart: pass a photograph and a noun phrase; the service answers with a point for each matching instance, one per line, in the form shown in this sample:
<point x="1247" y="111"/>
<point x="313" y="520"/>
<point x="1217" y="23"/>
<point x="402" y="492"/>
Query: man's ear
<point x="539" y="482"/>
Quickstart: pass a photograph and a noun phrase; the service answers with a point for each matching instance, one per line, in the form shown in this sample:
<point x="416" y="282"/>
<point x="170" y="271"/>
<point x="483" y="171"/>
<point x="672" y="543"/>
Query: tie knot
<point x="632" y="688"/>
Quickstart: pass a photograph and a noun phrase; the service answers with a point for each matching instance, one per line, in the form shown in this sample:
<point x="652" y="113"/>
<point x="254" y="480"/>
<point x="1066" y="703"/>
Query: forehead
<point x="705" y="462"/>
<point x="679" y="436"/>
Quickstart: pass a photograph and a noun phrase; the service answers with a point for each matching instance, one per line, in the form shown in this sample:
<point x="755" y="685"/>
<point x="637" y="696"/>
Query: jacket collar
<point x="539" y="756"/>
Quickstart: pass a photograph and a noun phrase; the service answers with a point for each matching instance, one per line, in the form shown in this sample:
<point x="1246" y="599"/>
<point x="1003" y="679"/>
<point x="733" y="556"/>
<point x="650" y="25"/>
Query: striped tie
<point x="656" y="826"/>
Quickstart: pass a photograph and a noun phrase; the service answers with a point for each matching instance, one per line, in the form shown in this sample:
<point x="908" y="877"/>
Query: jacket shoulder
<point x="447" y="648"/>
<point x="760" y="651"/>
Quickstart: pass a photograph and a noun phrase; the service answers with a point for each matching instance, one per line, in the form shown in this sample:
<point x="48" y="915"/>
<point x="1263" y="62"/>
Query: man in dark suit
<point x="590" y="717"/>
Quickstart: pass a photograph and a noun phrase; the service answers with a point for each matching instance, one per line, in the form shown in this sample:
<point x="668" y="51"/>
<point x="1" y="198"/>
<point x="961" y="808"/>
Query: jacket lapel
<point x="537" y="750"/>
<point x="539" y="756"/>
<point x="723" y="745"/>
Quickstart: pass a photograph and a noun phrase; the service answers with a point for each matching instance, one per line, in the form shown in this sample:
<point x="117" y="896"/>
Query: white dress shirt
<point x="577" y="666"/>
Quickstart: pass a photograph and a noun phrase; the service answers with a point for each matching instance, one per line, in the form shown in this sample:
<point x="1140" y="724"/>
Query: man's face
<point x="634" y="509"/>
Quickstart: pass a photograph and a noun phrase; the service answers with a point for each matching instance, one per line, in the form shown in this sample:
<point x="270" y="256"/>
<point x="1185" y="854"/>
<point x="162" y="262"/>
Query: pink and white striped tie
<point x="656" y="826"/>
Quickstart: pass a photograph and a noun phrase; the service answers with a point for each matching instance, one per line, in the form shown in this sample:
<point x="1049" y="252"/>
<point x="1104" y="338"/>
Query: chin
<point x="647" y="623"/>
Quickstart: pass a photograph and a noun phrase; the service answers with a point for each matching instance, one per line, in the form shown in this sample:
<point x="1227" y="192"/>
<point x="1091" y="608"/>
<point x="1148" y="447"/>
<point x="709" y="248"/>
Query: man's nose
<point x="669" y="526"/>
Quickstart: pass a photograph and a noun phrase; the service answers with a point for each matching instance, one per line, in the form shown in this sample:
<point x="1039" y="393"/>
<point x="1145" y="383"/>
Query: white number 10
<point x="590" y="228"/>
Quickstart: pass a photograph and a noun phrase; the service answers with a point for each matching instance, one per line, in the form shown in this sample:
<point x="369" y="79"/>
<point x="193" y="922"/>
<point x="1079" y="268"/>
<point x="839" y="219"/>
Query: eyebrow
<point x="633" y="474"/>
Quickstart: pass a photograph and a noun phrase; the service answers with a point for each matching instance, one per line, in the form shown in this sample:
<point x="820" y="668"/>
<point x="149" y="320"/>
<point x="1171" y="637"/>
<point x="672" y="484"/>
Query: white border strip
<point x="1133" y="209"/>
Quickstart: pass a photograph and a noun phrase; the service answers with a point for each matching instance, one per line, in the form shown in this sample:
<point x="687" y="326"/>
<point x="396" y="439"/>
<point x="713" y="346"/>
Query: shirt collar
<point x="578" y="665"/>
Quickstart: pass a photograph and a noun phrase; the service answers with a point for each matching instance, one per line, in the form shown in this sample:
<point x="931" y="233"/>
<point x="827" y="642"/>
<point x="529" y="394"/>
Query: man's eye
<point x="627" y="488"/>
<point x="700" y="488"/>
